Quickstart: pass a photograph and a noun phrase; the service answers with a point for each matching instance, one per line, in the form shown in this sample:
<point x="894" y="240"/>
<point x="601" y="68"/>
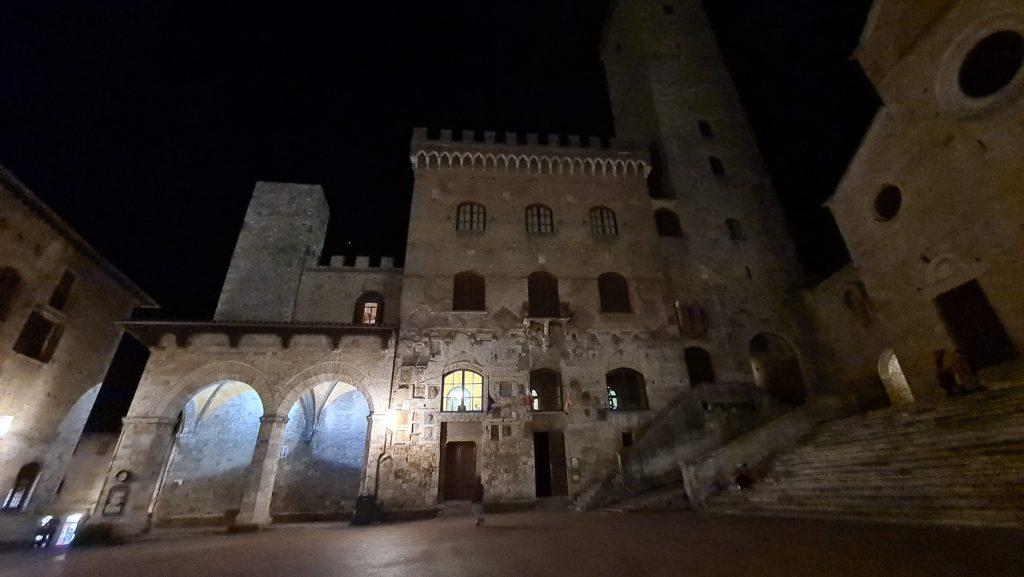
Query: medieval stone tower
<point x="672" y="95"/>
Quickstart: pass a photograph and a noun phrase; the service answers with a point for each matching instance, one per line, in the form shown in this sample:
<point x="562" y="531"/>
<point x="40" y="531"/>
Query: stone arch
<point x="224" y="420"/>
<point x="324" y="454"/>
<point x="170" y="405"/>
<point x="324" y="372"/>
<point x="893" y="379"/>
<point x="777" y="368"/>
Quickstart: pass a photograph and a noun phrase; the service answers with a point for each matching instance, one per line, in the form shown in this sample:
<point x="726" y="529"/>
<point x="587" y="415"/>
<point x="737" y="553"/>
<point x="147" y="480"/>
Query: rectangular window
<point x="717" y="168"/>
<point x="370" y="313"/>
<point x="39" y="337"/>
<point x="60" y="295"/>
<point x="705" y="129"/>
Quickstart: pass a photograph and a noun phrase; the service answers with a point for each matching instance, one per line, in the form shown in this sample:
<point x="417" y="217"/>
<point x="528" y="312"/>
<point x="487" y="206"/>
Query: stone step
<point x="894" y="417"/>
<point x="976" y="517"/>
<point x="661" y="499"/>
<point x="846" y="434"/>
<point x="1000" y="448"/>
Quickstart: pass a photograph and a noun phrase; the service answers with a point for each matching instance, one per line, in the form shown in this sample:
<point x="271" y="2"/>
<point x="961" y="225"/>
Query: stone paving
<point x="555" y="543"/>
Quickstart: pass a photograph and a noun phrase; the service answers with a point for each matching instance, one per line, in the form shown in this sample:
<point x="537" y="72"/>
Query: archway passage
<point x="323" y="457"/>
<point x="209" y="465"/>
<point x="777" y="368"/>
<point x="895" y="382"/>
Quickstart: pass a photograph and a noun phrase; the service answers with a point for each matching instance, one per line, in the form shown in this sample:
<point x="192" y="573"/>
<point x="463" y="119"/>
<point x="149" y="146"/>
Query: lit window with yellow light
<point x="463" y="391"/>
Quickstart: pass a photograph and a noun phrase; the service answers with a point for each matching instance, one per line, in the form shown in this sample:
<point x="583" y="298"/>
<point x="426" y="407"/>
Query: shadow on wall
<point x="209" y="465"/>
<point x="322" y="465"/>
<point x="777" y="368"/>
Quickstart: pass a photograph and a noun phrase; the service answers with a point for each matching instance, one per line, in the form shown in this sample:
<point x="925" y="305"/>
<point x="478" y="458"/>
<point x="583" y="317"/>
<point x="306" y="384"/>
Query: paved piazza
<point x="563" y="544"/>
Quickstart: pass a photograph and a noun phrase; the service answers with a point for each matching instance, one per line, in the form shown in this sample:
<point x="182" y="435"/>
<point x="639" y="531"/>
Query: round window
<point x="888" y="201"/>
<point x="992" y="64"/>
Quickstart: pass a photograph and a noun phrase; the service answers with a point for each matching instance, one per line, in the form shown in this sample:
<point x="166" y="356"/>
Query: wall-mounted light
<point x="5" y="424"/>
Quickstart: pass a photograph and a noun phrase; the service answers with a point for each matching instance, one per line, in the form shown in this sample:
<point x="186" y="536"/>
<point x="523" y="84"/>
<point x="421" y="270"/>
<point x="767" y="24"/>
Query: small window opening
<point x="469" y="292"/>
<point x="735" y="230"/>
<point x="627" y="439"/>
<point x="369" y="309"/>
<point x="667" y="223"/>
<point x="24" y="483"/>
<point x="992" y="64"/>
<point x="39" y="337"/>
<point x="60" y="295"/>
<point x="717" y="168"/>
<point x="626" y="390"/>
<point x="668" y="9"/>
<point x="705" y="129"/>
<point x="888" y="202"/>
<point x="602" y="222"/>
<point x="613" y="291"/>
<point x="539" y="219"/>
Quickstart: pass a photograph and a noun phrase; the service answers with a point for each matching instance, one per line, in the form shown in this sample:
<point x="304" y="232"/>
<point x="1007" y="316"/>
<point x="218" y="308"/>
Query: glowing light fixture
<point x="5" y="424"/>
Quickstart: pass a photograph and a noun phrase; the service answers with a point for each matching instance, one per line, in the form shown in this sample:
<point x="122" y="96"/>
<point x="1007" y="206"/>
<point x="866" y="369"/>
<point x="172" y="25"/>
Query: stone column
<point x="142" y="452"/>
<point x="255" y="509"/>
<point x="376" y="429"/>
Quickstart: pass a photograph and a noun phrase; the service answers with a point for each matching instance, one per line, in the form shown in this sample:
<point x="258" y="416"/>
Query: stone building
<point x="59" y="302"/>
<point x="571" y="309"/>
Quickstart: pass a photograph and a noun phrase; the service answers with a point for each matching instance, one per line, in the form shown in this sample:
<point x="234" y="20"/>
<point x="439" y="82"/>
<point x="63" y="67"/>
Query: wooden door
<point x="559" y="478"/>
<point x="460" y="471"/>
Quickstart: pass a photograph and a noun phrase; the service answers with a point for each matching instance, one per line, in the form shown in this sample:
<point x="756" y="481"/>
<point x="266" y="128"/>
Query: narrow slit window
<point x="60" y="295"/>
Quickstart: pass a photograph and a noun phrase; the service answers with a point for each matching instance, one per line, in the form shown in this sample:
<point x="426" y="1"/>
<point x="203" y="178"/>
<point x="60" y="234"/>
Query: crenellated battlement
<point x="528" y="153"/>
<point x="362" y="263"/>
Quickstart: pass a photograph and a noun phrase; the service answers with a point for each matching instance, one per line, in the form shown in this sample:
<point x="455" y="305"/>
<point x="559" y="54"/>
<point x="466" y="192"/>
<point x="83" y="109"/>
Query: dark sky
<point x="146" y="123"/>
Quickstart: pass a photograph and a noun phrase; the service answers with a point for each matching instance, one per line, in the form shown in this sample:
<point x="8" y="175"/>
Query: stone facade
<point x="930" y="206"/>
<point x="59" y="302"/>
<point x="563" y="297"/>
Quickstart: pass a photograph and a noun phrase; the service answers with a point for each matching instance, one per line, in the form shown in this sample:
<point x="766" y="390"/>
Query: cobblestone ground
<point x="562" y="544"/>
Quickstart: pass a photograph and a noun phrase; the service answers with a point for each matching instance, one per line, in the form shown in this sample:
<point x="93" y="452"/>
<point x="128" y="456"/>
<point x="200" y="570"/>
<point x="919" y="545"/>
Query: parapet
<point x="387" y="263"/>
<point x="512" y="152"/>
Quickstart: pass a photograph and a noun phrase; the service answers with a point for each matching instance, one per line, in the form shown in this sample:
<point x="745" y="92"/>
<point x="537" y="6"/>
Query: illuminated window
<point x="463" y="391"/>
<point x="626" y="390"/>
<point x="68" y="530"/>
<point x="370" y="313"/>
<point x="602" y="222"/>
<point x="471" y="217"/>
<point x="18" y="496"/>
<point x="369" y="309"/>
<point x="539" y="219"/>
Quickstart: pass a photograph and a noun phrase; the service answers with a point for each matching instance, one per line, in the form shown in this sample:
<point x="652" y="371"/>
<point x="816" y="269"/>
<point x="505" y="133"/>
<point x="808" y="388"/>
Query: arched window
<point x="369" y="309"/>
<point x="471" y="217"/>
<point x="463" y="390"/>
<point x="539" y="219"/>
<point x="469" y="292"/>
<point x="735" y="230"/>
<point x="602" y="221"/>
<point x="614" y="293"/>
<point x="698" y="365"/>
<point x="543" y="295"/>
<point x="626" y="390"/>
<point x="546" y="390"/>
<point x="667" y="223"/>
<point x="18" y="496"/>
<point x="9" y="282"/>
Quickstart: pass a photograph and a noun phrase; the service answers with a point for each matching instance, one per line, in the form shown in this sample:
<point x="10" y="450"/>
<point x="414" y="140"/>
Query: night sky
<point x="145" y="124"/>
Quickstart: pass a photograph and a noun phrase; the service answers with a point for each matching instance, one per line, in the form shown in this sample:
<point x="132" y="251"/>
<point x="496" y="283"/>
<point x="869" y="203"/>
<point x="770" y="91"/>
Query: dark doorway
<point x="698" y="366"/>
<point x="460" y="471"/>
<point x="974" y="326"/>
<point x="549" y="462"/>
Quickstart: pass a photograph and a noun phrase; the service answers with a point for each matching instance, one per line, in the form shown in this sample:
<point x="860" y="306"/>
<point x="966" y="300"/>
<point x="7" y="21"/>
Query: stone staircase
<point x="955" y="461"/>
<point x="671" y="498"/>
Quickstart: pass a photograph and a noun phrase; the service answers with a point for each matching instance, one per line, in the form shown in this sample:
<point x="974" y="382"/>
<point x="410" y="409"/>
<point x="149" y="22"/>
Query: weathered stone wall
<point x="330" y="294"/>
<point x="956" y="161"/>
<point x="50" y="399"/>
<point x="87" y="467"/>
<point x="283" y="233"/>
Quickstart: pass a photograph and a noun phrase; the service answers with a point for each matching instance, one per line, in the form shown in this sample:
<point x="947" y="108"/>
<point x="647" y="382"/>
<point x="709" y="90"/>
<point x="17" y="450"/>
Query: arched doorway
<point x="895" y="382"/>
<point x="323" y="456"/>
<point x="698" y="366"/>
<point x="208" y="468"/>
<point x="777" y="368"/>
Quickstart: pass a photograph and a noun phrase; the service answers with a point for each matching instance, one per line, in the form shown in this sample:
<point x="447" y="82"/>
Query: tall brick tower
<point x="671" y="94"/>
